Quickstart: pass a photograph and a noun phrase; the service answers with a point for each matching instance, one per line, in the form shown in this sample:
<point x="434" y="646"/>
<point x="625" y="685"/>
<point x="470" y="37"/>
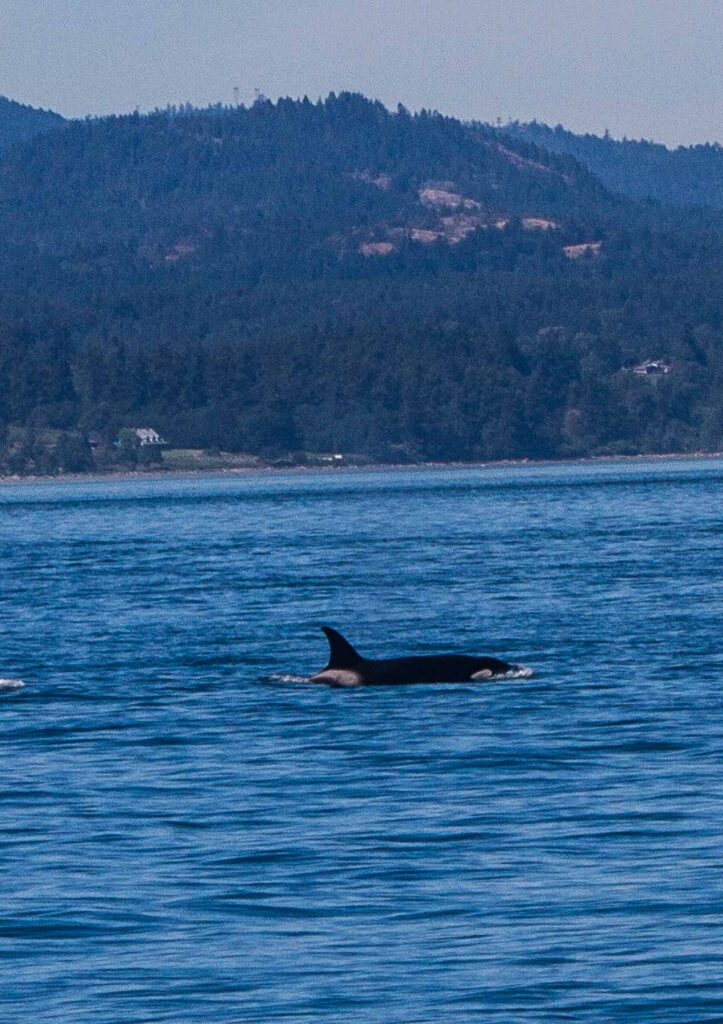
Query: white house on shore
<point x="147" y="435"/>
<point x="652" y="368"/>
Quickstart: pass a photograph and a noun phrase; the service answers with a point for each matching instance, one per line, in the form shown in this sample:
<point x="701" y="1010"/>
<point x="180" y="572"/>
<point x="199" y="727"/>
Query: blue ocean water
<point x="188" y="834"/>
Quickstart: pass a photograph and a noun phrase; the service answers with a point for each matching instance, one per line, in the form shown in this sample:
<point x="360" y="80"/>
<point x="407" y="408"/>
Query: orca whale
<point x="348" y="668"/>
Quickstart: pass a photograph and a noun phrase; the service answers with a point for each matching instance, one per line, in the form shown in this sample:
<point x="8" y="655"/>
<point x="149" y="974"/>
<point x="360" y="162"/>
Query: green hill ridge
<point x="333" y="276"/>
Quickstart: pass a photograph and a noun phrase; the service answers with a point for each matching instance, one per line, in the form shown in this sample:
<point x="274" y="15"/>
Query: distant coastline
<point x="406" y="285"/>
<point x="156" y="473"/>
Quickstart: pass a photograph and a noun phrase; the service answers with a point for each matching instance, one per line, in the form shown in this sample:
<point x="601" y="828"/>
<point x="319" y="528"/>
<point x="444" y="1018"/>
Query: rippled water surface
<point x="186" y="837"/>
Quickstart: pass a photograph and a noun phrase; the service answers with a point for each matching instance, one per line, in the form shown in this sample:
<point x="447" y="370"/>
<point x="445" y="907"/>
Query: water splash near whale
<point x="518" y="672"/>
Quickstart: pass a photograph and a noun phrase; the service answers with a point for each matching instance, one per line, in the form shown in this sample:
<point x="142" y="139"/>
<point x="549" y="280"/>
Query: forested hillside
<point x="304" y="277"/>
<point x="18" y="122"/>
<point x="685" y="176"/>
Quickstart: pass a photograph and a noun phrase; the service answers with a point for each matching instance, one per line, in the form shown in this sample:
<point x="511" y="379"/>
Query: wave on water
<point x="11" y="684"/>
<point x="286" y="678"/>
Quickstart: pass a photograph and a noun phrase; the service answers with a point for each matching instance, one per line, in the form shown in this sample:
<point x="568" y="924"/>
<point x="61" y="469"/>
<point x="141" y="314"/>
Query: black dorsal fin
<point x="341" y="652"/>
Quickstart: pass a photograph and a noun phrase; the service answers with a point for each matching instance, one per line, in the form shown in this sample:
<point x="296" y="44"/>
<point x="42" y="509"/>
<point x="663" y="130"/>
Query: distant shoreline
<point x="372" y="467"/>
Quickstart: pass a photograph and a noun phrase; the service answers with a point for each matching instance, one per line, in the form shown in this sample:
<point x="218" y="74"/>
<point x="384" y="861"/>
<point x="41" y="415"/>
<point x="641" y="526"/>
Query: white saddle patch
<point x="484" y="673"/>
<point x="11" y="684"/>
<point x="337" y="677"/>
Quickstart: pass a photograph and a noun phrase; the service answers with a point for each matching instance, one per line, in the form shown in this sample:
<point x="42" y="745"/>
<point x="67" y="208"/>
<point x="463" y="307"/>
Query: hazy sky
<point x="650" y="68"/>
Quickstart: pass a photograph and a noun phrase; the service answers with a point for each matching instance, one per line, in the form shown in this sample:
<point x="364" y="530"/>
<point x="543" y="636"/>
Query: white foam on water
<point x="287" y="678"/>
<point x="11" y="684"/>
<point x="518" y="672"/>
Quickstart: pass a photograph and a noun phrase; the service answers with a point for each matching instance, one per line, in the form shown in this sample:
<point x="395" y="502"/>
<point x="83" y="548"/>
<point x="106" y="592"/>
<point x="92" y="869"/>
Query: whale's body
<point x="348" y="668"/>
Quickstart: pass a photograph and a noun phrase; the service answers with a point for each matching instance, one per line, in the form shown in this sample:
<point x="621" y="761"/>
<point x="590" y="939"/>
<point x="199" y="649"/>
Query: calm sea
<point x="190" y="834"/>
